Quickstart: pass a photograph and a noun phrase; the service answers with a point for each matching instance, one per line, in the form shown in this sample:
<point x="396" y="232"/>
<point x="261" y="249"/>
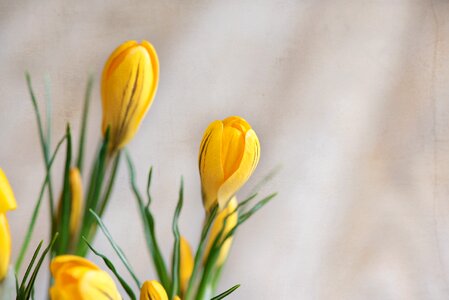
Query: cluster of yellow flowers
<point x="228" y="155"/>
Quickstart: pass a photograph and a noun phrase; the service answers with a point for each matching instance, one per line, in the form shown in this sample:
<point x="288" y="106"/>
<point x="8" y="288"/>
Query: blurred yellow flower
<point x="7" y="202"/>
<point x="186" y="263"/>
<point x="7" y="199"/>
<point x="5" y="246"/>
<point x="153" y="290"/>
<point x="78" y="278"/>
<point x="229" y="153"/>
<point x="129" y="83"/>
<point x="76" y="190"/>
<point x="231" y="222"/>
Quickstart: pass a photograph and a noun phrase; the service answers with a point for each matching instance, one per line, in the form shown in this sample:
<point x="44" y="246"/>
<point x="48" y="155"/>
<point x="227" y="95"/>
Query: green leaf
<point x="149" y="227"/>
<point x="200" y="251"/>
<point x="177" y="246"/>
<point x="226" y="293"/>
<point x="111" y="267"/>
<point x="66" y="202"/>
<point x="36" y="209"/>
<point x="84" y="117"/>
<point x="116" y="248"/>
<point x="110" y="185"/>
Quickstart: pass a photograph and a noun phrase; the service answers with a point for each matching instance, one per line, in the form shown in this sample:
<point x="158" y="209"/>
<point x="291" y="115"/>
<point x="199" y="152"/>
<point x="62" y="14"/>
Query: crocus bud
<point x="78" y="278"/>
<point x="229" y="153"/>
<point x="231" y="216"/>
<point x="76" y="189"/>
<point x="7" y="199"/>
<point x="5" y="246"/>
<point x="129" y="83"/>
<point x="153" y="290"/>
<point x="186" y="263"/>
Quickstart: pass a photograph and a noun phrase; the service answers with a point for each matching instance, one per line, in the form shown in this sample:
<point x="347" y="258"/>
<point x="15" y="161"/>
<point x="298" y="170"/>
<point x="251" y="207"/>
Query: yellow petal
<point x="245" y="169"/>
<point x="76" y="189"/>
<point x="5" y="246"/>
<point x="7" y="199"/>
<point x="129" y="84"/>
<point x="231" y="216"/>
<point x="78" y="278"/>
<point x="209" y="161"/>
<point x="152" y="290"/>
<point x="186" y="263"/>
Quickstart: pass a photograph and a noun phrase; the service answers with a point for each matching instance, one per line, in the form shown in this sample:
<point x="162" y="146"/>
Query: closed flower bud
<point x="129" y="82"/>
<point x="76" y="190"/>
<point x="229" y="153"/>
<point x="5" y="246"/>
<point x="78" y="278"/>
<point x="186" y="263"/>
<point x="231" y="216"/>
<point x="153" y="290"/>
<point x="7" y="199"/>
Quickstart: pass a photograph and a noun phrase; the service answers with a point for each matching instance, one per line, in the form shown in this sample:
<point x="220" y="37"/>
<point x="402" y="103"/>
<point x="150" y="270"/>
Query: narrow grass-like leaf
<point x="111" y="267"/>
<point x="177" y="246"/>
<point x="30" y="265"/>
<point x="84" y="118"/>
<point x="30" y="285"/>
<point x="267" y="178"/>
<point x="200" y="251"/>
<point x="226" y="293"/>
<point x="36" y="209"/>
<point x="149" y="228"/>
<point x="150" y="176"/>
<point x="110" y="184"/>
<point x="66" y="203"/>
<point x="116" y="248"/>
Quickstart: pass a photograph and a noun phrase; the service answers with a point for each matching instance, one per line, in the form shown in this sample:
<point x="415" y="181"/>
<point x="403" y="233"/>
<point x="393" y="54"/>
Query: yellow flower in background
<point x="229" y="153"/>
<point x="7" y="199"/>
<point x="186" y="263"/>
<point x="5" y="246"/>
<point x="153" y="290"/>
<point x="231" y="222"/>
<point x="76" y="189"/>
<point x="129" y="83"/>
<point x="78" y="278"/>
<point x="7" y="202"/>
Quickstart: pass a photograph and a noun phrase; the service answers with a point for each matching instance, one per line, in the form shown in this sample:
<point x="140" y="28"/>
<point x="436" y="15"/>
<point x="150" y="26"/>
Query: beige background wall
<point x="351" y="97"/>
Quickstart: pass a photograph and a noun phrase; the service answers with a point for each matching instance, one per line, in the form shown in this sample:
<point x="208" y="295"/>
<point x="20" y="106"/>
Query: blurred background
<point x="351" y="98"/>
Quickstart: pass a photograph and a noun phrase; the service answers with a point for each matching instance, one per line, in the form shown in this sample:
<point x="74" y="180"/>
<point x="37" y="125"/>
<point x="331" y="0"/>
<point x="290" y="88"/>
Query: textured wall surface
<point x="350" y="97"/>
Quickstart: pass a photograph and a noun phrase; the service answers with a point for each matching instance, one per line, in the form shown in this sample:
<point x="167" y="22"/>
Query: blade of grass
<point x="116" y="248"/>
<point x="226" y="293"/>
<point x="36" y="209"/>
<point x="111" y="267"/>
<point x="110" y="184"/>
<point x="149" y="228"/>
<point x="84" y="118"/>
<point x="177" y="246"/>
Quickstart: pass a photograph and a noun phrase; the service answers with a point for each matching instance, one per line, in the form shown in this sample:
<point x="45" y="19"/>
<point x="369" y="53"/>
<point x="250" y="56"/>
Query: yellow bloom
<point x="7" y="199"/>
<point x="229" y="153"/>
<point x="7" y="202"/>
<point x="76" y="189"/>
<point x="153" y="290"/>
<point x="129" y="82"/>
<point x="231" y="221"/>
<point x="78" y="278"/>
<point x="186" y="263"/>
<point x="5" y="246"/>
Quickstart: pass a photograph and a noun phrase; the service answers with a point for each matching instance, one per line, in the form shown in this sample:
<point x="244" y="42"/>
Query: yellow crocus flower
<point x="229" y="153"/>
<point x="7" y="202"/>
<point x="129" y="83"/>
<point x="76" y="189"/>
<point x="5" y="246"/>
<point x="231" y="222"/>
<point x="153" y="290"/>
<point x="7" y="199"/>
<point x="186" y="263"/>
<point x="78" y="278"/>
